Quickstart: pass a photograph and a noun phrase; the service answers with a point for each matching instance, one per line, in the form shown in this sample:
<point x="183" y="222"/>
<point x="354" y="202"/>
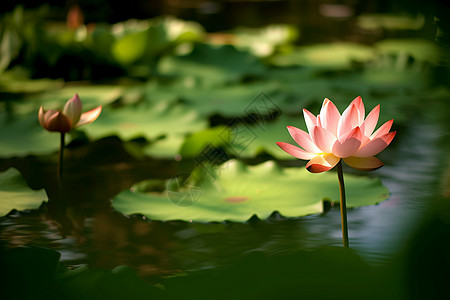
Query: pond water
<point x="88" y="231"/>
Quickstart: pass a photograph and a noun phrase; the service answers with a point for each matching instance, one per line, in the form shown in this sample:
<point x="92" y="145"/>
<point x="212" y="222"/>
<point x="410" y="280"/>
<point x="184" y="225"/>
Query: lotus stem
<point x="61" y="158"/>
<point x="343" y="205"/>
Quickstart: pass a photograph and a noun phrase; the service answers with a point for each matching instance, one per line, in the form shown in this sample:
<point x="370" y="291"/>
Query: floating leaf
<point x="390" y="22"/>
<point x="24" y="136"/>
<point x="215" y="137"/>
<point x="167" y="147"/>
<point x="15" y="193"/>
<point x="17" y="81"/>
<point x="334" y="55"/>
<point x="265" y="41"/>
<point x="131" y="47"/>
<point x="419" y="49"/>
<point x="145" y="120"/>
<point x="230" y="101"/>
<point x="91" y="96"/>
<point x="249" y="140"/>
<point x="210" y="65"/>
<point x="236" y="192"/>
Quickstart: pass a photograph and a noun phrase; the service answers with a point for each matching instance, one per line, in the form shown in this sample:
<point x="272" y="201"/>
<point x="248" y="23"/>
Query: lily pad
<point x="211" y="65"/>
<point x="15" y="193"/>
<point x="236" y="192"/>
<point x="265" y="41"/>
<point x="23" y="136"/>
<point x="420" y="49"/>
<point x="251" y="140"/>
<point x="230" y="101"/>
<point x="146" y="120"/>
<point x="336" y="55"/>
<point x="390" y="22"/>
<point x="167" y="147"/>
<point x="91" y="96"/>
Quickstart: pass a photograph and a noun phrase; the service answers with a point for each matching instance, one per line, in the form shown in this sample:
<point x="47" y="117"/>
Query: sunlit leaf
<point x="264" y="41"/>
<point x="55" y="98"/>
<point x="420" y="49"/>
<point x="145" y="120"/>
<point x="130" y="48"/>
<point x="331" y="55"/>
<point x="390" y="22"/>
<point x="15" y="193"/>
<point x="236" y="192"/>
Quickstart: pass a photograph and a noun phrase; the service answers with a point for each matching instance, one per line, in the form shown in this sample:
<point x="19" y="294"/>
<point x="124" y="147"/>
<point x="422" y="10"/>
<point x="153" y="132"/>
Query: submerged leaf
<point x="15" y="193"/>
<point x="236" y="192"/>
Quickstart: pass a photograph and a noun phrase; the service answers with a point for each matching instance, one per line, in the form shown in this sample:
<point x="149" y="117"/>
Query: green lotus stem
<point x="343" y="204"/>
<point x="61" y="158"/>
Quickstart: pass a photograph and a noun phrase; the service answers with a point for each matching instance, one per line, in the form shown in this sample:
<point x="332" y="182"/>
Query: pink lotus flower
<point x="70" y="118"/>
<point x="333" y="137"/>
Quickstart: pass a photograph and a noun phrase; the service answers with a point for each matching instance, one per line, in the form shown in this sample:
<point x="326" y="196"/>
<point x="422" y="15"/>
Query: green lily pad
<point x="210" y="65"/>
<point x="251" y="140"/>
<point x="195" y="143"/>
<point x="230" y="101"/>
<point x="390" y="22"/>
<point x="144" y="40"/>
<point x="23" y="136"/>
<point x="420" y="49"/>
<point x="15" y="193"/>
<point x="236" y="192"/>
<point x="265" y="41"/>
<point x="335" y="55"/>
<point x="146" y="120"/>
<point x="17" y="81"/>
<point x="91" y="96"/>
<point x="167" y="147"/>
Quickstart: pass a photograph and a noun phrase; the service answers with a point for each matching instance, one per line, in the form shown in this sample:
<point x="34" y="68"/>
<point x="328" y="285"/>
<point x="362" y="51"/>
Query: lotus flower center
<point x="236" y="199"/>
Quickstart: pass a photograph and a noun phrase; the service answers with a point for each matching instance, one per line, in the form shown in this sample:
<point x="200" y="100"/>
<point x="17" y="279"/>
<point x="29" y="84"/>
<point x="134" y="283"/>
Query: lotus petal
<point x="359" y="105"/>
<point x="371" y="121"/>
<point x="310" y="120"/>
<point x="322" y="163"/>
<point x="382" y="130"/>
<point x="42" y="116"/>
<point x="376" y="145"/>
<point x="58" y="122"/>
<point x="89" y="116"/>
<point x="303" y="139"/>
<point x="323" y="139"/>
<point x="348" y="121"/>
<point x="295" y="151"/>
<point x="329" y="116"/>
<point x="350" y="144"/>
<point x="72" y="109"/>
<point x="364" y="163"/>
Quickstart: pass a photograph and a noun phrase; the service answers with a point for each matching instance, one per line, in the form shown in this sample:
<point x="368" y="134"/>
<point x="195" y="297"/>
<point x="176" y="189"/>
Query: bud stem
<point x="343" y="204"/>
<point x="60" y="161"/>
